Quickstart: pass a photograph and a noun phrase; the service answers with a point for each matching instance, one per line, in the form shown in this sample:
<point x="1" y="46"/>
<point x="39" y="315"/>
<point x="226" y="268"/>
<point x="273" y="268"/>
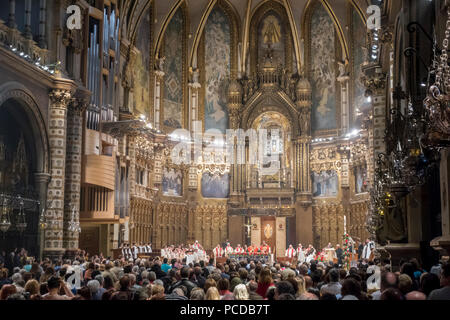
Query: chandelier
<point x="12" y="212"/>
<point x="416" y="131"/>
<point x="437" y="102"/>
<point x="74" y="223"/>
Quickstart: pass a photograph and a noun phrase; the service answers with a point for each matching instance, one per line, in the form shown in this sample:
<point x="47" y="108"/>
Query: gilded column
<point x="59" y="100"/>
<point x="304" y="103"/>
<point x="73" y="170"/>
<point x="302" y="178"/>
<point x="159" y="79"/>
<point x="234" y="110"/>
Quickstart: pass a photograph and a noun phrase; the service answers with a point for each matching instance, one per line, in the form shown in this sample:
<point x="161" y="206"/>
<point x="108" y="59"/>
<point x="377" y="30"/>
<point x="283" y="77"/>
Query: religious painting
<point x="323" y="70"/>
<point x="361" y="181"/>
<point x="172" y="182"/>
<point x="141" y="101"/>
<point x="325" y="184"/>
<point x="173" y="69"/>
<point x="217" y="69"/>
<point x="271" y="36"/>
<point x="215" y="185"/>
<point x="360" y="103"/>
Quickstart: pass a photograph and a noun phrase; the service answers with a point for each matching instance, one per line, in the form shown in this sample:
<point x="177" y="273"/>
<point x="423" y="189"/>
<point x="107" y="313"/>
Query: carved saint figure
<point x="271" y="30"/>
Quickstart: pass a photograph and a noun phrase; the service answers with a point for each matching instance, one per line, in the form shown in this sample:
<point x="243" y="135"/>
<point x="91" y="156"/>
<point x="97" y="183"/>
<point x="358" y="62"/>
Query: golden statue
<point x="271" y="30"/>
<point x="268" y="231"/>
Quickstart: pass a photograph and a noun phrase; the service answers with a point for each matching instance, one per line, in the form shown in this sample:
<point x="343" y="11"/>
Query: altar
<point x="257" y="257"/>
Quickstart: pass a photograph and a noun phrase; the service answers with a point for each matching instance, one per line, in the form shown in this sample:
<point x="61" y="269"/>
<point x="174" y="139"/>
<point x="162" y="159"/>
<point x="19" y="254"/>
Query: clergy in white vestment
<point x="300" y="253"/>
<point x="239" y="249"/>
<point x="149" y="248"/>
<point x="135" y="251"/>
<point x="290" y="252"/>
<point x="218" y="251"/>
<point x="196" y="245"/>
<point x="229" y="249"/>
<point x="368" y="248"/>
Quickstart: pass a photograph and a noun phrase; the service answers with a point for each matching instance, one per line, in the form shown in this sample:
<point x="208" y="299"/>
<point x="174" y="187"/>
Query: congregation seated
<point x="96" y="277"/>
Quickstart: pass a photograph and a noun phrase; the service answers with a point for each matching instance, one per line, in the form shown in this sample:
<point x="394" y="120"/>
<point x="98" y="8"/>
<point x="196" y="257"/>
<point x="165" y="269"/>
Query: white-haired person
<point x="240" y="292"/>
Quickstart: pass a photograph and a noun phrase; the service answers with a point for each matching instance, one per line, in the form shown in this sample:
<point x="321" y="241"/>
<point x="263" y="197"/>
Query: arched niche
<point x="270" y="22"/>
<point x="270" y="102"/>
<point x="20" y="104"/>
<point x="24" y="160"/>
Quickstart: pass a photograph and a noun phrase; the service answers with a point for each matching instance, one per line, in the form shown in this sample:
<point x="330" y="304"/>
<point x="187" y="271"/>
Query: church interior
<point x="166" y="122"/>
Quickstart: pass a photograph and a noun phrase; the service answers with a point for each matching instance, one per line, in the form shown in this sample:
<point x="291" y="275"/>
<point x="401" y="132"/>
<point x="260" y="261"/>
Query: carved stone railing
<point x="13" y="40"/>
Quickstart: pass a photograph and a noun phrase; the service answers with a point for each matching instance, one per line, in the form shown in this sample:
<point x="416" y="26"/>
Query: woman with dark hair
<point x="409" y="269"/>
<point x="351" y="290"/>
<point x="429" y="282"/>
<point x="7" y="290"/>
<point x="89" y="271"/>
<point x="224" y="287"/>
<point x="264" y="282"/>
<point x="84" y="294"/>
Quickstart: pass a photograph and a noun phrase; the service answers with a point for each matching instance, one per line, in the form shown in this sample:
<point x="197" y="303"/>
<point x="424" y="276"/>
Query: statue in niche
<point x="160" y="64"/>
<point x="271" y="31"/>
<point x="343" y="73"/>
<point x="19" y="174"/>
<point x="394" y="226"/>
<point x="304" y="121"/>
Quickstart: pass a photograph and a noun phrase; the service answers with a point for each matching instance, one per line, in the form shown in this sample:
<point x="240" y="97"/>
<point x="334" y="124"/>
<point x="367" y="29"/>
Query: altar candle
<point x="345" y="224"/>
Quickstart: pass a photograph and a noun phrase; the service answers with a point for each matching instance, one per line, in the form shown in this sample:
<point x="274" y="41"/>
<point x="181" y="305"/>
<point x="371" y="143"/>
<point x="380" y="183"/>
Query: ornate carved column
<point x="73" y="168"/>
<point x="159" y="79"/>
<point x="375" y="83"/>
<point x="59" y="100"/>
<point x="234" y="110"/>
<point x="302" y="177"/>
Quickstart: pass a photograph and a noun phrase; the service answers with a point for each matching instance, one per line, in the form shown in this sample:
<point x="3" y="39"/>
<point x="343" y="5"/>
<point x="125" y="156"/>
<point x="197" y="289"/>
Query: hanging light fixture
<point x="21" y="223"/>
<point x="5" y="222"/>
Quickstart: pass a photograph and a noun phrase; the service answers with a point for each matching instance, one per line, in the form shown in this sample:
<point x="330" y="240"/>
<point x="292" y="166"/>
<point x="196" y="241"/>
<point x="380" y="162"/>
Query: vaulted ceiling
<point x="198" y="11"/>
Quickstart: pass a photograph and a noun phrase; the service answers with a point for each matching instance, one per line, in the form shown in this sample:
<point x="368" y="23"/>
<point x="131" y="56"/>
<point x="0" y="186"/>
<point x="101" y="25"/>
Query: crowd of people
<point x="96" y="277"/>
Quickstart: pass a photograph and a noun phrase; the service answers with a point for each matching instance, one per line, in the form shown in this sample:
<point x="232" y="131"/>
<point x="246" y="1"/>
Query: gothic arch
<point x="258" y="14"/>
<point x="306" y="18"/>
<point x="159" y="39"/>
<point x="33" y="116"/>
<point x="235" y="24"/>
<point x="267" y="101"/>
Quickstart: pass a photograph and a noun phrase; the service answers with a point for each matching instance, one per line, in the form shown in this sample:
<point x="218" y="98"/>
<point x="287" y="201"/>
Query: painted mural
<point x="173" y="68"/>
<point x="217" y="69"/>
<point x="271" y="35"/>
<point x="141" y="100"/>
<point x="325" y="184"/>
<point x="361" y="182"/>
<point x="323" y="70"/>
<point x="172" y="183"/>
<point x="360" y="103"/>
<point x="215" y="185"/>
